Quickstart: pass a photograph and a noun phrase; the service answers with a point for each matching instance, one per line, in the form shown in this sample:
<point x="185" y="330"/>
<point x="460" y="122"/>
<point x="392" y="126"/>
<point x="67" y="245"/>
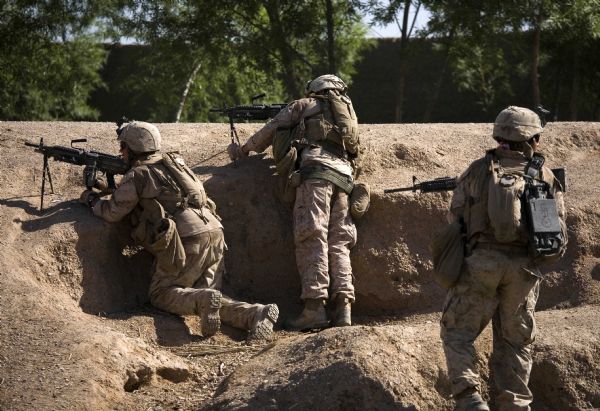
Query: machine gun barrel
<point x="93" y="161"/>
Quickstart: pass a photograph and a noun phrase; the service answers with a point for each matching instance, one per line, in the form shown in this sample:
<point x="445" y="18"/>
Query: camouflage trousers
<point x="179" y="292"/>
<point x="324" y="233"/>
<point x="502" y="288"/>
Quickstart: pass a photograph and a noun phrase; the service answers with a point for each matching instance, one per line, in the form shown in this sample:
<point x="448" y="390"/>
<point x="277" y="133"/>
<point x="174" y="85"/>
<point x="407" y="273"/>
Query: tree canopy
<point x="179" y="58"/>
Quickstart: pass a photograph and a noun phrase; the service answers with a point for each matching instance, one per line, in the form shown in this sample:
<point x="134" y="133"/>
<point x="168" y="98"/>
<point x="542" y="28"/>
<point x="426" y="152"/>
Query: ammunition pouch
<point x="286" y="159"/>
<point x="360" y="200"/>
<point x="448" y="251"/>
<point x="158" y="234"/>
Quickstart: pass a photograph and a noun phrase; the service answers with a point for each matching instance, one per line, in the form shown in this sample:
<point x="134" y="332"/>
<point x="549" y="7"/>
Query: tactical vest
<point x="181" y="188"/>
<point x="334" y="128"/>
<point x="514" y="206"/>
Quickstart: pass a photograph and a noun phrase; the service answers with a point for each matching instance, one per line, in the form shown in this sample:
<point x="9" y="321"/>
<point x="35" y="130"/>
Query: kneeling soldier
<point x="176" y="222"/>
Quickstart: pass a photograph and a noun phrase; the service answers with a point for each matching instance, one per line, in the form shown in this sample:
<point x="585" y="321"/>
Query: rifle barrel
<point x="396" y="190"/>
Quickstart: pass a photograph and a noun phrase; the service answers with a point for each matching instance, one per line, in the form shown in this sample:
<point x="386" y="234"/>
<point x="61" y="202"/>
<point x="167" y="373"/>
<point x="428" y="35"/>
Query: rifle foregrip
<point x="441" y="184"/>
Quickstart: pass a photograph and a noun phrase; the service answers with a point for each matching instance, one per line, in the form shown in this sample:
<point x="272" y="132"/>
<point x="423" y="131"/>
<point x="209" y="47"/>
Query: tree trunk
<point x="535" y="60"/>
<point x="287" y="60"/>
<point x="557" y="94"/>
<point x="330" y="37"/>
<point x="186" y="90"/>
<point x="573" y="112"/>
<point x="399" y="111"/>
<point x="437" y="86"/>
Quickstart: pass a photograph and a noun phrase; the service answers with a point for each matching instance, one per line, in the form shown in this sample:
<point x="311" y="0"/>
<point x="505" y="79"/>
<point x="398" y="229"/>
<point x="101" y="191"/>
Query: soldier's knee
<point x="519" y="330"/>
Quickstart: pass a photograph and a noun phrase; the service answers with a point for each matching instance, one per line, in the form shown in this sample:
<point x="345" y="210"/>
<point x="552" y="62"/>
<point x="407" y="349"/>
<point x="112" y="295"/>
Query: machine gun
<point x="431" y="186"/>
<point x="248" y="112"/>
<point x="93" y="161"/>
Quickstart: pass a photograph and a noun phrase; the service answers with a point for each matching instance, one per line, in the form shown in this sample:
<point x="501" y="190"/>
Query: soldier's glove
<point x="235" y="152"/>
<point x="89" y="198"/>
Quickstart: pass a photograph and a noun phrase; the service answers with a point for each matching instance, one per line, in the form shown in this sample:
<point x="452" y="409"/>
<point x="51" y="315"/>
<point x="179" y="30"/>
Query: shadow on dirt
<point x="58" y="213"/>
<point x="262" y="266"/>
<point x="305" y="389"/>
<point x="112" y="273"/>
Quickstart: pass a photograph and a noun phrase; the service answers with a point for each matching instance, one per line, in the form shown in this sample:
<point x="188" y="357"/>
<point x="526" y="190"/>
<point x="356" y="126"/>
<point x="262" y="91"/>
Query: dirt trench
<point x="77" y="330"/>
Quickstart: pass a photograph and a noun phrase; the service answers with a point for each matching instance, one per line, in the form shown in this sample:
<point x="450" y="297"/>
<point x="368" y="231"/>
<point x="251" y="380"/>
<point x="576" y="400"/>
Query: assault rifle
<point x="93" y="161"/>
<point x="431" y="186"/>
<point x="248" y="112"/>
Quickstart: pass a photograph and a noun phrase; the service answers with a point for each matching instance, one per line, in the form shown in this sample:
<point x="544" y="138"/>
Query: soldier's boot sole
<point x="210" y="321"/>
<point x="262" y="329"/>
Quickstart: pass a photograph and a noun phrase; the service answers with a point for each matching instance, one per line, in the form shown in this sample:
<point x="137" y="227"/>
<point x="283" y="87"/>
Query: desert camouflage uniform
<point x="324" y="231"/>
<point x="178" y="289"/>
<point x="499" y="282"/>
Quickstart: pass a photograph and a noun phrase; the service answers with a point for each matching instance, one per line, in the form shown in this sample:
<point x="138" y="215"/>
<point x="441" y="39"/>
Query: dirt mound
<point x="402" y="367"/>
<point x="74" y="318"/>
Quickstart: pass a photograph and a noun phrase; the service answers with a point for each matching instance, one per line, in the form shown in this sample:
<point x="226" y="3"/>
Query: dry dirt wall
<point x="75" y="331"/>
<point x="401" y="367"/>
<point x="391" y="261"/>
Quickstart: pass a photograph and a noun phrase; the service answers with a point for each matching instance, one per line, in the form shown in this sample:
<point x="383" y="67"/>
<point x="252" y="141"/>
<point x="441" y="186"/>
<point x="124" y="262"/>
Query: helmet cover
<point x="517" y="124"/>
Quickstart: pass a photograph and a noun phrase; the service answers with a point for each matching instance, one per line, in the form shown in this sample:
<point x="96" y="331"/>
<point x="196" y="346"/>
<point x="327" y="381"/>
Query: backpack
<point x="335" y="128"/>
<point x="504" y="203"/>
<point x="193" y="190"/>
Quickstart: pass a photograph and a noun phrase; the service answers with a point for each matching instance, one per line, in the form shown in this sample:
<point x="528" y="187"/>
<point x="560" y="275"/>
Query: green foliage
<point x="49" y="61"/>
<point x="483" y="34"/>
<point x="241" y="48"/>
<point x="484" y="72"/>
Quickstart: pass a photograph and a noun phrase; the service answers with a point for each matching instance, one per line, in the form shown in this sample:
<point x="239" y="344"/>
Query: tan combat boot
<point x="210" y="303"/>
<point x="341" y="312"/>
<point x="470" y="400"/>
<point x="313" y="316"/>
<point x="264" y="320"/>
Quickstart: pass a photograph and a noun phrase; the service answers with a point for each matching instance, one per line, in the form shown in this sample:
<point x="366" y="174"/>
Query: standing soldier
<point x="320" y="134"/>
<point x="176" y="222"/>
<point x="500" y="280"/>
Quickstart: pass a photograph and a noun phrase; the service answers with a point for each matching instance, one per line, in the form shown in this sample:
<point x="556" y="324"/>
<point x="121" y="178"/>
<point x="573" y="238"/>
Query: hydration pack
<point x="504" y="206"/>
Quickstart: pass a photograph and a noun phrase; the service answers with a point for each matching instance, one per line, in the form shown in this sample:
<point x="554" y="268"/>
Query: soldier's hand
<point x="89" y="198"/>
<point x="100" y="184"/>
<point x="235" y="152"/>
<point x="89" y="179"/>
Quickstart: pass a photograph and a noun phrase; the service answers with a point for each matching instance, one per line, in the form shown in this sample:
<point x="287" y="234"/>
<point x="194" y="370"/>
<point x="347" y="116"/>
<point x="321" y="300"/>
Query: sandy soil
<point x="77" y="332"/>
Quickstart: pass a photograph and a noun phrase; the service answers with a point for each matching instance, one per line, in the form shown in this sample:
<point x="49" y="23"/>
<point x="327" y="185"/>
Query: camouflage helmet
<point x="517" y="124"/>
<point x="140" y="137"/>
<point x="326" y="82"/>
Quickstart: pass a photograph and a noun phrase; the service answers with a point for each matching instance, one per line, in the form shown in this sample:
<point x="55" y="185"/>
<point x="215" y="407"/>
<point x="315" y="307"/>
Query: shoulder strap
<point x="534" y="167"/>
